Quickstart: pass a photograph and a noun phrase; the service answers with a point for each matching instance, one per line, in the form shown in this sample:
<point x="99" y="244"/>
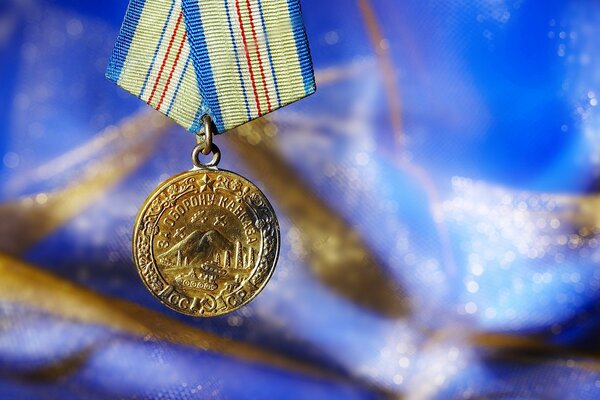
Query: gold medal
<point x="206" y="241"/>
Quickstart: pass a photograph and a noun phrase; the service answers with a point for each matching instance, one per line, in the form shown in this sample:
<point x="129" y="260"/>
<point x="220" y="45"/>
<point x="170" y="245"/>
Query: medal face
<point x="206" y="242"/>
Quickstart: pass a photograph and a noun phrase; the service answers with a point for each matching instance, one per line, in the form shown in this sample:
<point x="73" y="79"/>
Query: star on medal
<point x="206" y="184"/>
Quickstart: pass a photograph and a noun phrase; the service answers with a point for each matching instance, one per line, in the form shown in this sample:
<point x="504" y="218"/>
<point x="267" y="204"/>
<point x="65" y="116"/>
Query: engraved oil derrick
<point x="227" y="260"/>
<point x="249" y="259"/>
<point x="241" y="258"/>
<point x="238" y="255"/>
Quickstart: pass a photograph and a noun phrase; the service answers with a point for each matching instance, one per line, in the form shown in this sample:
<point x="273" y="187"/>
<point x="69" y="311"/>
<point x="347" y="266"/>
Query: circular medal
<point x="206" y="242"/>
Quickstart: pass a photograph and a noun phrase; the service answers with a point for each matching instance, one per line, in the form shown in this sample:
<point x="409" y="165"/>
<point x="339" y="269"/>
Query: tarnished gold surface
<point x="206" y="242"/>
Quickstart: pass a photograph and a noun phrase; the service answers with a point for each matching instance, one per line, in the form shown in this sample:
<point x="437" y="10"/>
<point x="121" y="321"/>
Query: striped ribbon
<point x="234" y="60"/>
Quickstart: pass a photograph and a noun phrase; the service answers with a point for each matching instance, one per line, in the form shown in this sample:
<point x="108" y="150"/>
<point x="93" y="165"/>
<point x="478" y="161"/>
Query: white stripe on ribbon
<point x="162" y="51"/>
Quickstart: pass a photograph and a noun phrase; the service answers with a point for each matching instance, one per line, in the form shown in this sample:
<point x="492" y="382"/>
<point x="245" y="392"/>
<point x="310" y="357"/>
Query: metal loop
<point x="199" y="149"/>
<point x="208" y="134"/>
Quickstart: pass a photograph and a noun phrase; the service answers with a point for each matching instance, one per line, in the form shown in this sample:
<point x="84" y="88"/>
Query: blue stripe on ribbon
<point x="119" y="54"/>
<point x="264" y="27"/>
<point x="198" y="124"/>
<point x="187" y="63"/>
<point x="302" y="46"/>
<point x="237" y="60"/>
<point x="162" y="35"/>
<point x="204" y="74"/>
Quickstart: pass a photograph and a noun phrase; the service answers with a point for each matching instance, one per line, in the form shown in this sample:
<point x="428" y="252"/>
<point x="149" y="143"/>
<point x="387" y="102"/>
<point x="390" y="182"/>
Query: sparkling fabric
<point x="438" y="198"/>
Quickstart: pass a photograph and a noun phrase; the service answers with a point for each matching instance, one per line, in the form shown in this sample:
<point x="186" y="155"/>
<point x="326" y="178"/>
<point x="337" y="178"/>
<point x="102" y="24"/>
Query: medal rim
<point x="144" y="207"/>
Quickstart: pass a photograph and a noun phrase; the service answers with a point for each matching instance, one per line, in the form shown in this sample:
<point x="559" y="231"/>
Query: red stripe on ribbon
<point x="164" y="62"/>
<point x="172" y="70"/>
<point x="239" y="14"/>
<point x="260" y="64"/>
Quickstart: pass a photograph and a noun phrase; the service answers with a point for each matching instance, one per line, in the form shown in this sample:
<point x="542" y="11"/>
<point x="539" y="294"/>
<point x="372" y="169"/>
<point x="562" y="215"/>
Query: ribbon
<point x="234" y="60"/>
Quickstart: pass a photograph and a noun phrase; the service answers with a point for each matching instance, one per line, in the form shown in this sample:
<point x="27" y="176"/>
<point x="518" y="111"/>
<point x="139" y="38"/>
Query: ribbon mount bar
<point x="234" y="60"/>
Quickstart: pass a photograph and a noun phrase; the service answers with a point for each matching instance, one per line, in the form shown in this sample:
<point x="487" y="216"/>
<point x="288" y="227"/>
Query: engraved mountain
<point x="197" y="248"/>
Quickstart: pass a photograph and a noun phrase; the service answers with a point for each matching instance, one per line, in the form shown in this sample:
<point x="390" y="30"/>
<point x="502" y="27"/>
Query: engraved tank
<point x="205" y="277"/>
